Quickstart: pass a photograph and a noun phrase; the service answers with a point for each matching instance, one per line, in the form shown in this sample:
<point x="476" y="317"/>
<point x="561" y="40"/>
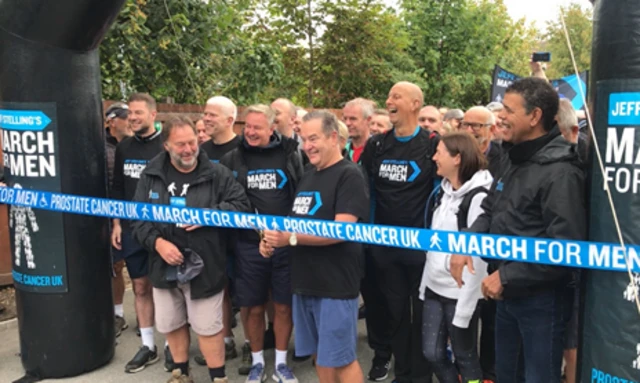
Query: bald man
<point x="286" y="114"/>
<point x="402" y="174"/>
<point x="480" y="122"/>
<point x="430" y="119"/>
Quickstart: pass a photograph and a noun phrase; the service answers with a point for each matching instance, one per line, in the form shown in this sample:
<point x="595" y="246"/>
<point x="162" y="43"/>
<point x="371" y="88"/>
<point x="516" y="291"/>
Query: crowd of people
<point x="512" y="168"/>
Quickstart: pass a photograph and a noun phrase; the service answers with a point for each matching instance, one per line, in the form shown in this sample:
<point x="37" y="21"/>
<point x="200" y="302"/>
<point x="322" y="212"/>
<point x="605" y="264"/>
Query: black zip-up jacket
<point x="235" y="160"/>
<point x="542" y="195"/>
<point x="214" y="188"/>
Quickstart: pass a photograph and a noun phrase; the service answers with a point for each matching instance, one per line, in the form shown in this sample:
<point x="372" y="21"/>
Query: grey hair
<point x="566" y="117"/>
<point x="229" y="109"/>
<point x="495" y="106"/>
<point x="266" y="110"/>
<point x="491" y="118"/>
<point x="367" y="107"/>
<point x="329" y="121"/>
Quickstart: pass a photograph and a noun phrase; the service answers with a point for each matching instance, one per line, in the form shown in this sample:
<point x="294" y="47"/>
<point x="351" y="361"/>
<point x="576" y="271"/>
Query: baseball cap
<point x="118" y="109"/>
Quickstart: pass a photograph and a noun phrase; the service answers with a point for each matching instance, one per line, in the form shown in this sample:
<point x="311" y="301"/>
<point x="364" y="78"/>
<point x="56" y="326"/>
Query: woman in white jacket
<point x="451" y="312"/>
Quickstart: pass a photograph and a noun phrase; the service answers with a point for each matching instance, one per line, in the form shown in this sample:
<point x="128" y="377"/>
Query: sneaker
<point x="269" y="339"/>
<point x="283" y="374"/>
<point x="221" y="380"/>
<point x="143" y="358"/>
<point x="247" y="360"/>
<point x="230" y="351"/>
<point x="199" y="359"/>
<point x="121" y="325"/>
<point x="297" y="358"/>
<point x="256" y="374"/>
<point x="362" y="312"/>
<point x="178" y="377"/>
<point x="379" y="370"/>
<point x="168" y="360"/>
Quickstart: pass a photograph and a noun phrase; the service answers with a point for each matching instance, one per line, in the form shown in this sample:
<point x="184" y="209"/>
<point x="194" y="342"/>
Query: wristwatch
<point x="293" y="240"/>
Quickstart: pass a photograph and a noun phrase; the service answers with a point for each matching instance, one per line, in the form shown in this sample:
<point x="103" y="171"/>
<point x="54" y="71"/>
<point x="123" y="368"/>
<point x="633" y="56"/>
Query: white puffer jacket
<point x="436" y="275"/>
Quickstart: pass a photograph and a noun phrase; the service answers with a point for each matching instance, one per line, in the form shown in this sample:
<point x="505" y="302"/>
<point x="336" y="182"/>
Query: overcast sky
<point x="539" y="11"/>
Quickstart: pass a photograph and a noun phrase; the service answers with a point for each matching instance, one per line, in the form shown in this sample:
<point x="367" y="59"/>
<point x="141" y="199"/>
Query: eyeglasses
<point x="472" y="125"/>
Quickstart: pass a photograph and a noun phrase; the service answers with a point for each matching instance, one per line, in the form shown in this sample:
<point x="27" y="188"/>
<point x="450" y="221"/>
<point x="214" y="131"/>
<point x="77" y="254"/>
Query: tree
<point x="186" y="51"/>
<point x="579" y="22"/>
<point x="335" y="50"/>
<point x="457" y="43"/>
<point x="362" y="53"/>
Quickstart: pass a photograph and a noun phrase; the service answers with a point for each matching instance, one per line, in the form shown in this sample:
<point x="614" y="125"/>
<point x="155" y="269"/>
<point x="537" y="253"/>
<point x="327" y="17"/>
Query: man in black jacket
<point x="268" y="165"/>
<point x="540" y="194"/>
<point x="184" y="177"/>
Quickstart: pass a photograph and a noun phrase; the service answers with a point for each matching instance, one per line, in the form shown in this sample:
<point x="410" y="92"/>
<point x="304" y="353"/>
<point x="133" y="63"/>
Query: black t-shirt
<point x="267" y="184"/>
<point x="131" y="158"/>
<point x="331" y="271"/>
<point x="216" y="152"/>
<point x="403" y="175"/>
<point x="178" y="187"/>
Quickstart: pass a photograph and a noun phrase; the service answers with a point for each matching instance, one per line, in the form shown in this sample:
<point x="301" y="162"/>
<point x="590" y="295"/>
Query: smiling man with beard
<point x="402" y="174"/>
<point x="184" y="177"/>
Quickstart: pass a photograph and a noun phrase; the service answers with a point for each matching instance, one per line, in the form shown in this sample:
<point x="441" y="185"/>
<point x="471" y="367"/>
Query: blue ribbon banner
<point x="581" y="254"/>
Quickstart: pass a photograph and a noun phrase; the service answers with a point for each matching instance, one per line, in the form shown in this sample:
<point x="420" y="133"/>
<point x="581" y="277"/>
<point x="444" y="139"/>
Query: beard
<point x="183" y="164"/>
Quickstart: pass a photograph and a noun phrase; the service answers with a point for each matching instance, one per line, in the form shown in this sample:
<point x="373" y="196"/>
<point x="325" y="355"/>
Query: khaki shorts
<point x="174" y="308"/>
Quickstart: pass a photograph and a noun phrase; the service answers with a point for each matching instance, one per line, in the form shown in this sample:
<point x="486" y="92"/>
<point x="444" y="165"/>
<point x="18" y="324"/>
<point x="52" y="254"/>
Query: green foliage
<point x="579" y="21"/>
<point x="458" y="42"/>
<point x="322" y="53"/>
<point x="197" y="52"/>
<point x="363" y="53"/>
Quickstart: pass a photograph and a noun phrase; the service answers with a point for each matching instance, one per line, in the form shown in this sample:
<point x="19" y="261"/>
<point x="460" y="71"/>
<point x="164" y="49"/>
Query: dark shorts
<point x="256" y="275"/>
<point x="134" y="255"/>
<point x="571" y="335"/>
<point x="327" y="328"/>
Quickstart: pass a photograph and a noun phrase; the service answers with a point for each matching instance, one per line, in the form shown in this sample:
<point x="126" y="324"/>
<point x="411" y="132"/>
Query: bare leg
<point x="117" y="287"/>
<point x="326" y="374"/>
<point x="255" y="327"/>
<point x="179" y="344"/>
<point x="571" y="360"/>
<point x="144" y="301"/>
<point x="227" y="313"/>
<point x="212" y="348"/>
<point x="351" y="373"/>
<point x="283" y="325"/>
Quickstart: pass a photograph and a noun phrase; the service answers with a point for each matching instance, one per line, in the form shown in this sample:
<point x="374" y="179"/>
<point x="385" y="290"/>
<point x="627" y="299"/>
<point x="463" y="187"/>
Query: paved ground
<point x="11" y="368"/>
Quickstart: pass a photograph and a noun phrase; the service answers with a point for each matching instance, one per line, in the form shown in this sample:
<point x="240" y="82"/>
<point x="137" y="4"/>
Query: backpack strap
<point x="432" y="204"/>
<point x="463" y="209"/>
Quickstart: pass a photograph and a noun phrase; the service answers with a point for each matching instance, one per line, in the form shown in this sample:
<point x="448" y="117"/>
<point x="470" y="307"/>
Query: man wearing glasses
<point x="481" y="124"/>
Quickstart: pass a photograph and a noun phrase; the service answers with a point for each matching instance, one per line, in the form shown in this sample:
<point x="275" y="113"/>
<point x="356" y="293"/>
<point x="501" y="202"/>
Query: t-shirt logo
<point x="133" y="168"/>
<point x="266" y="179"/>
<point x="399" y="170"/>
<point x="307" y="203"/>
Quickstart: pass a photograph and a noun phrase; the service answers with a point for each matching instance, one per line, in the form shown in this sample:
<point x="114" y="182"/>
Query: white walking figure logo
<point x="435" y="241"/>
<point x="145" y="212"/>
<point x="629" y="291"/>
<point x="636" y="363"/>
<point x="19" y="219"/>
<point x="172" y="189"/>
<point x="185" y="187"/>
